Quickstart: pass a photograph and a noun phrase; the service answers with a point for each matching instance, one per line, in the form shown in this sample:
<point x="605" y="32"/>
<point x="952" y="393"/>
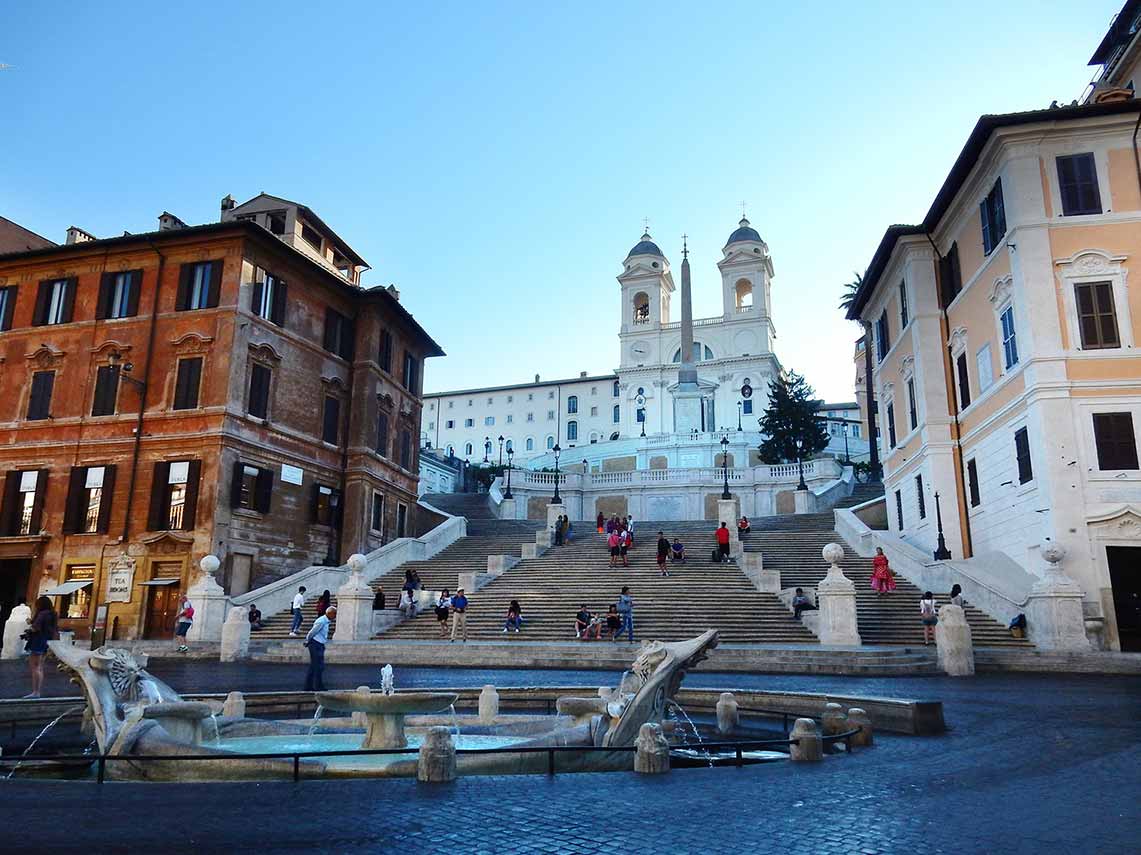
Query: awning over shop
<point x="161" y="582"/>
<point x="67" y="588"/>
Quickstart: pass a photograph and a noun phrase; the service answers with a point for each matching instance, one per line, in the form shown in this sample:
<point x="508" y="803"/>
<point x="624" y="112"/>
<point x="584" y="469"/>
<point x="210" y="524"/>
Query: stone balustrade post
<point x="1054" y="614"/>
<point x="836" y="602"/>
<point x="354" y="605"/>
<point x="727" y="715"/>
<point x="488" y="705"/>
<point x="652" y="756"/>
<point x="209" y="602"/>
<point x="436" y="762"/>
<point x="235" y="636"/>
<point x="859" y="718"/>
<point x="953" y="642"/>
<point x="834" y="720"/>
<point x="809" y="748"/>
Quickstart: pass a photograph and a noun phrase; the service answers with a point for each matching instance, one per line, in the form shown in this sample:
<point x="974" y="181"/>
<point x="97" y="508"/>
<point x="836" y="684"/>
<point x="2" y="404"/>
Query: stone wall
<point x="612" y="505"/>
<point x="620" y="464"/>
<point x="659" y="462"/>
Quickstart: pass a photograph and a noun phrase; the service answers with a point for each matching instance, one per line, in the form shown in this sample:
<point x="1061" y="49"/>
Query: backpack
<point x="189" y="614"/>
<point x="716" y="557"/>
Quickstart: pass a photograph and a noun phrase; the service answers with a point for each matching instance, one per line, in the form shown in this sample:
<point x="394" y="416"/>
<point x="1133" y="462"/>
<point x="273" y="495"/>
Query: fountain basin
<point x="181" y="719"/>
<point x="385" y="713"/>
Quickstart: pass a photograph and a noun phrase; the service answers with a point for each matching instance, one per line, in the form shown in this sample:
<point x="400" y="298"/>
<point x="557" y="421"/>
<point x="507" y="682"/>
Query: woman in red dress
<point x="883" y="580"/>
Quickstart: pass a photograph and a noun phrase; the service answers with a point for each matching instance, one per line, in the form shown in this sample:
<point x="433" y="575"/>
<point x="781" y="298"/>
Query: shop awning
<point x="161" y="582"/>
<point x="67" y="588"/>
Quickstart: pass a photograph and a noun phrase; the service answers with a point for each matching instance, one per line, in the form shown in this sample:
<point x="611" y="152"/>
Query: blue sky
<point x="495" y="161"/>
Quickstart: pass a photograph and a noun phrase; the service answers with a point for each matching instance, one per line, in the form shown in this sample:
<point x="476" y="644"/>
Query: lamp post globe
<point x="557" y="499"/>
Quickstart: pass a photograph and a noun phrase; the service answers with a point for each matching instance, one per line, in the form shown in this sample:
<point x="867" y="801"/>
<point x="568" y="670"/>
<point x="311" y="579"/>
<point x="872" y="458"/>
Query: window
<point x="551" y="395"/>
<point x="326" y="505"/>
<point x="384" y="357"/>
<point x="747" y="406"/>
<point x="950" y="275"/>
<point x="469" y="423"/>
<point x="24" y="501"/>
<point x="401" y="519"/>
<point x="973" y="483"/>
<point x="311" y="236"/>
<point x="77" y="604"/>
<point x="411" y="372"/>
<point x="614" y="389"/>
<point x="199" y="286"/>
<point x="899" y="510"/>
<point x="449" y="424"/>
<point x="174" y="495"/>
<point x="1097" y="319"/>
<point x="640" y="414"/>
<point x="510" y="418"/>
<point x="118" y="295"/>
<point x="490" y="401"/>
<point x="258" y="405"/>
<point x="698" y="350"/>
<point x="1022" y="455"/>
<point x="510" y="446"/>
<point x="883" y="344"/>
<point x="993" y="218"/>
<point x="406" y="449"/>
<point x="1116" y="444"/>
<point x="40" y="399"/>
<point x="902" y="304"/>
<point x="88" y="508"/>
<point x="467" y="449"/>
<point x="550" y="442"/>
<point x="331" y="419"/>
<point x="593" y="391"/>
<point x="1009" y="340"/>
<point x="572" y="430"/>
<point x="572" y="405"/>
<point x="106" y="390"/>
<point x="186" y="383"/>
<point x="339" y="334"/>
<point x="530" y="417"/>
<point x="529" y="445"/>
<point x="594" y="411"/>
<point x="1077" y="184"/>
<point x="912" y="413"/>
<point x="376" y="520"/>
<point x="550" y="415"/>
<point x="984" y="367"/>
<point x="617" y="417"/>
<point x="451" y="404"/>
<point x="431" y="425"/>
<point x="964" y="381"/>
<point x="511" y="399"/>
<point x="251" y="487"/>
<point x="919" y="497"/>
<point x="55" y="301"/>
<point x="7" y="306"/>
<point x="890" y="419"/>
<point x="530" y="396"/>
<point x="269" y="298"/>
<point x="855" y="431"/>
<point x="489" y="420"/>
<point x="382" y="434"/>
<point x="275" y="220"/>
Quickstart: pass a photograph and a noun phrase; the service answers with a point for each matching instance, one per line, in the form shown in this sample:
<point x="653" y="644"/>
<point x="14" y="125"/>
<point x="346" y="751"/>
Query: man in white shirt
<point x="298" y="603"/>
<point x="315" y="640"/>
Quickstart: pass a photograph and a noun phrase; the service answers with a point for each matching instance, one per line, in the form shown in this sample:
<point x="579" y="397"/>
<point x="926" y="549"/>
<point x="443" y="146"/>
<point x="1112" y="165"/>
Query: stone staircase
<point x="474" y="506"/>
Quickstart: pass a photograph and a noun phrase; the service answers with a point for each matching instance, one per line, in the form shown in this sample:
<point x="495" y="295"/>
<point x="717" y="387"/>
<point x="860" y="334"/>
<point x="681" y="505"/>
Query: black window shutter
<point x="106" y="289"/>
<point x="40" y="400"/>
<point x="964" y="381"/>
<point x="215" y="293"/>
<point x="182" y="300"/>
<point x="332" y="418"/>
<point x="336" y="509"/>
<point x="38" y="501"/>
<point x="8" y="511"/>
<point x="277" y="310"/>
<point x="259" y="391"/>
<point x="255" y="301"/>
<point x="382" y="435"/>
<point x="236" y="484"/>
<point x="187" y="383"/>
<point x="159" y="508"/>
<point x="69" y="289"/>
<point x="105" y="498"/>
<point x="9" y="308"/>
<point x="314" y="501"/>
<point x="43" y="297"/>
<point x="106" y="387"/>
<point x="76" y="487"/>
<point x="193" y="471"/>
<point x="348" y="339"/>
<point x="973" y="483"/>
<point x="263" y="490"/>
<point x="136" y="288"/>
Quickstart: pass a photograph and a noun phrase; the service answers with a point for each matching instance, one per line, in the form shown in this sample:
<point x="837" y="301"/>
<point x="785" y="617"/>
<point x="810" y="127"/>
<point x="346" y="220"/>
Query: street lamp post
<point x="557" y="500"/>
<point x="501" y="451"/>
<point x="739" y="405"/>
<point x="507" y="492"/>
<point x="942" y="553"/>
<point x="800" y="464"/>
<point x="725" y="467"/>
<point x="847" y="456"/>
<point x="486" y="449"/>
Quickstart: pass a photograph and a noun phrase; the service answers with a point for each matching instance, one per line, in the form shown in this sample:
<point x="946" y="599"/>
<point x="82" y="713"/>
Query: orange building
<point x="194" y="390"/>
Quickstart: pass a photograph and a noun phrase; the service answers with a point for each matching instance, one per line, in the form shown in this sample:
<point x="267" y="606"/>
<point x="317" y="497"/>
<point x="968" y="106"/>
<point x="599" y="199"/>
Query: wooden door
<point x="162" y="608"/>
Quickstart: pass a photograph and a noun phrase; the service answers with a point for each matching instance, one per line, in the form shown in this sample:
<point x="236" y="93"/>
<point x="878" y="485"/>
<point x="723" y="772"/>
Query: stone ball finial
<point x="357" y="562"/>
<point x="209" y="564"/>
<point x="1054" y="553"/>
<point x="833" y="553"/>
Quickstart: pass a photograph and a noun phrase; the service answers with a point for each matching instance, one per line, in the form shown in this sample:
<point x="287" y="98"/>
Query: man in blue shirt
<point x="315" y="640"/>
<point x="459" y="614"/>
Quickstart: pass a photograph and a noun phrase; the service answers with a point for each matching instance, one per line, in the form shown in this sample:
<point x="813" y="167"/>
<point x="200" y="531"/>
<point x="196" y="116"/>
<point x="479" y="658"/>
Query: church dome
<point x="744" y="232"/>
<point x="645" y="246"/>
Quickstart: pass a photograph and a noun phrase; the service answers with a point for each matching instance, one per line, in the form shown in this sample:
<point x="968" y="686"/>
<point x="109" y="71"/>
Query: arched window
<point x="530" y="444"/>
<point x="572" y="431"/>
<point x="467" y="449"/>
<point x="451" y="451"/>
<point x="572" y="404"/>
<point x="510" y="446"/>
<point x="641" y="308"/>
<point x="698" y="350"/>
<point x="743" y="291"/>
<point x="615" y="389"/>
<point x="593" y="437"/>
<point x="550" y="442"/>
<point x="617" y="414"/>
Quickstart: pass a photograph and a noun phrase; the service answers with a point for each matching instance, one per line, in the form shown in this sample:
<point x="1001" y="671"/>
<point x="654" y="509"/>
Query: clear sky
<point x="495" y="160"/>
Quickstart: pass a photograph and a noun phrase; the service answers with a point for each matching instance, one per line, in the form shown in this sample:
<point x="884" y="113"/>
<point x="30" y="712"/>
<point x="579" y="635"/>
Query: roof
<point x="743" y="232"/>
<point x="16" y="238"/>
<point x="645" y="246"/>
<point x="311" y="215"/>
<point x="378" y="293"/>
<point x="843" y="405"/>
<point x="1119" y="32"/>
<point x="609" y="378"/>
<point x="961" y="169"/>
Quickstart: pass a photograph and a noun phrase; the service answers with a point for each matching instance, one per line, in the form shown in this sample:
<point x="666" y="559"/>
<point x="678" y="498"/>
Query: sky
<point x="495" y="161"/>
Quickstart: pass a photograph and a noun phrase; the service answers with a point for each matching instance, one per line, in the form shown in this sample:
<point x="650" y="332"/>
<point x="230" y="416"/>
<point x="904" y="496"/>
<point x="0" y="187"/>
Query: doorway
<point x="1125" y="577"/>
<point x="14" y="574"/>
<point x="162" y="608"/>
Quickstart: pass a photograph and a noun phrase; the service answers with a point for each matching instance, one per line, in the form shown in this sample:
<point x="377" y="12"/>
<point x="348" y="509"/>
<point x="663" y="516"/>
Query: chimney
<point x="394" y="291"/>
<point x="77" y="235"/>
<point x="228" y="204"/>
<point x="582" y="374"/>
<point x="169" y="222"/>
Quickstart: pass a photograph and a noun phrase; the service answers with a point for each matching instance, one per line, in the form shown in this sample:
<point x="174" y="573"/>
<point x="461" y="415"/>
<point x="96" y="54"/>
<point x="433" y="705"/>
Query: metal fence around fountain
<point x="737" y="746"/>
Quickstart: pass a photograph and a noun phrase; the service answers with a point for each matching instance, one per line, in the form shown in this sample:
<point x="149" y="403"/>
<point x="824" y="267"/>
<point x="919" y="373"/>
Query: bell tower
<point x="646" y="287"/>
<point x="746" y="276"/>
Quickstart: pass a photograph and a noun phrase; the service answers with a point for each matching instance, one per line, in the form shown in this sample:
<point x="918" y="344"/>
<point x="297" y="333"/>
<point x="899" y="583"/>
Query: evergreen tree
<point x="791" y="416"/>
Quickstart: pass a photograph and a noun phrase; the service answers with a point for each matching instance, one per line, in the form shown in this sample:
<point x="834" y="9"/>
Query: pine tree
<point x="791" y="416"/>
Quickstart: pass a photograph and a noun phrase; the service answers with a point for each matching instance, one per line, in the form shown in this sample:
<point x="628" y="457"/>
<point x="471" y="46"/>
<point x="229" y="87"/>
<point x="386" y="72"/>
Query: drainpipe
<point x="952" y="401"/>
<point x="145" y="385"/>
<point x="1136" y="156"/>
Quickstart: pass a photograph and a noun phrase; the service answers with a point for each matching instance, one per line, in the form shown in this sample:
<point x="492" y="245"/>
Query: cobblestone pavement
<point x="1033" y="763"/>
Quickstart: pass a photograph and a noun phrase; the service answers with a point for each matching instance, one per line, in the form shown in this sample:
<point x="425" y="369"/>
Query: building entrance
<point x="1125" y="576"/>
<point x="14" y="575"/>
<point x="162" y="608"/>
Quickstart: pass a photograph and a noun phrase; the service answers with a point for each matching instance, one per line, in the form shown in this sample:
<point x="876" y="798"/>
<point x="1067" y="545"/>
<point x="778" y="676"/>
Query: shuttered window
<point x="973" y="483"/>
<point x="919" y="497"/>
<point x="382" y="435"/>
<point x="22" y="510"/>
<point x="411" y="372"/>
<point x="964" y="381"/>
<point x="899" y="510"/>
<point x="187" y="382"/>
<point x="1022" y="455"/>
<point x="912" y="413"/>
<point x="890" y="418"/>
<point x="1077" y="185"/>
<point x="326" y="505"/>
<point x="89" y="494"/>
<point x="40" y="399"/>
<point x="119" y="295"/>
<point x="331" y="419"/>
<point x="406" y="449"/>
<point x="339" y="333"/>
<point x="258" y="405"/>
<point x="1115" y="440"/>
<point x="993" y="214"/>
<point x="903" y="316"/>
<point x="55" y="302"/>
<point x="106" y="390"/>
<point x="7" y="306"/>
<point x="199" y="285"/>
<point x="384" y="357"/>
<point x="251" y="487"/>
<point x="1097" y="320"/>
<point x="883" y="344"/>
<point x="269" y="297"/>
<point x="174" y="495"/>
<point x="950" y="275"/>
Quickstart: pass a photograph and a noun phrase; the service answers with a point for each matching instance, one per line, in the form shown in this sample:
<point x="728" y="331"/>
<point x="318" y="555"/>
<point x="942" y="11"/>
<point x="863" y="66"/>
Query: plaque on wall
<point x="292" y="474"/>
<point x="120" y="579"/>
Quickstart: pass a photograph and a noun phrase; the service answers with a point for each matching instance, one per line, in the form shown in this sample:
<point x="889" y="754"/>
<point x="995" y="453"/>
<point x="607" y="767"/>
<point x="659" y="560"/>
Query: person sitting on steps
<point x="613" y="622"/>
<point x="743" y="525"/>
<point x="678" y="549"/>
<point x="514" y="617"/>
<point x="584" y="623"/>
<point x="802" y="603"/>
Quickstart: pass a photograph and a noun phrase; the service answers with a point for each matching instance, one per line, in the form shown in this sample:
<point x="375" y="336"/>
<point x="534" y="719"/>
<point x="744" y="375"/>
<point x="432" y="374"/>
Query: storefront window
<point x="77" y="604"/>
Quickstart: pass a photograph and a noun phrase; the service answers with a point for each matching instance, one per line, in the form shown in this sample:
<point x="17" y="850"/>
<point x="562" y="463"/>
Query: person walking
<point x="569" y="530"/>
<point x="559" y="530"/>
<point x="626" y="612"/>
<point x="614" y="542"/>
<point x="43" y="627"/>
<point x="624" y="546"/>
<point x="315" y="641"/>
<point x="323" y="602"/>
<point x="298" y="604"/>
<point x="183" y="621"/>
<point x="601" y="521"/>
<point x="630" y="528"/>
<point x="663" y="553"/>
<point x="929" y="615"/>
<point x="459" y="614"/>
<point x="723" y="542"/>
<point x="883" y="580"/>
<point x="443" y="610"/>
<point x="957" y="595"/>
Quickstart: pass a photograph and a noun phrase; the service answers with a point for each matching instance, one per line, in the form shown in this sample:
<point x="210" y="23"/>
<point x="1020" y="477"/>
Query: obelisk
<point x="686" y="394"/>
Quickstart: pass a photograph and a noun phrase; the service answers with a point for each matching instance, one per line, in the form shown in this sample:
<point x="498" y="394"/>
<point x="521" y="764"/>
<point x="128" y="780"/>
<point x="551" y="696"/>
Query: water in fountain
<point x="455" y="719"/>
<point x="316" y="718"/>
<point x="386" y="681"/>
<point x="40" y="736"/>
<point x="693" y="728"/>
<point x="217" y="739"/>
